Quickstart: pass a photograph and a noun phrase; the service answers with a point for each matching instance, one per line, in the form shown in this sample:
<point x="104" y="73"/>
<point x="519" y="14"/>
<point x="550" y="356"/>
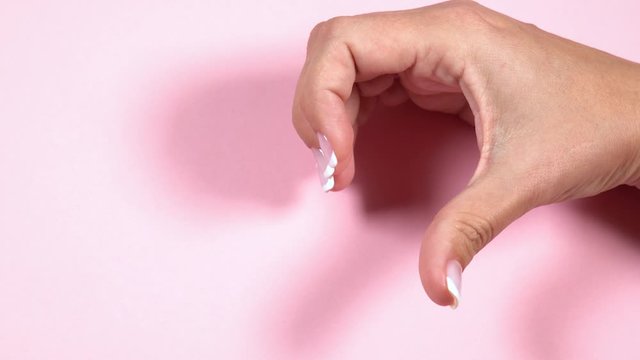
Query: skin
<point x="554" y="120"/>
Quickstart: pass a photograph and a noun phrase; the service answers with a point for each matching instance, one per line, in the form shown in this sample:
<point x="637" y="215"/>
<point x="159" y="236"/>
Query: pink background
<point x="155" y="202"/>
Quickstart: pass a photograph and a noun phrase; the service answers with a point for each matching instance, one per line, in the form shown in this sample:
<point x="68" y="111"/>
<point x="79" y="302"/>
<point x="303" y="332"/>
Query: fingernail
<point x="325" y="177"/>
<point x="326" y="162"/>
<point x="454" y="281"/>
<point x="327" y="150"/>
<point x="328" y="185"/>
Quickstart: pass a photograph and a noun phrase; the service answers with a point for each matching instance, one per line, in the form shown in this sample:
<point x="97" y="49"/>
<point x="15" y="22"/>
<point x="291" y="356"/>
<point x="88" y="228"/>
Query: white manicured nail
<point x="327" y="150"/>
<point x="326" y="162"/>
<point x="333" y="160"/>
<point x="326" y="187"/>
<point x="328" y="171"/>
<point x="454" y="281"/>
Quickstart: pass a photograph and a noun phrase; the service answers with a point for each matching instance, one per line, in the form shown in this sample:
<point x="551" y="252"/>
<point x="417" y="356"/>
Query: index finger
<point x="346" y="50"/>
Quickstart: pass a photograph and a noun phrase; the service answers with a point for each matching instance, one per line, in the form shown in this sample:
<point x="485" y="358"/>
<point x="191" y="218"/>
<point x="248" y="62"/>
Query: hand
<point x="554" y="120"/>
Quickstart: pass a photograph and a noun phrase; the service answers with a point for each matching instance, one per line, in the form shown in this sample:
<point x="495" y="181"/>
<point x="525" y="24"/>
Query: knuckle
<point x="474" y="16"/>
<point x="529" y="27"/>
<point x="476" y="230"/>
<point x="316" y="31"/>
<point x="330" y="28"/>
<point x="337" y="23"/>
<point x="462" y="3"/>
<point x="464" y="8"/>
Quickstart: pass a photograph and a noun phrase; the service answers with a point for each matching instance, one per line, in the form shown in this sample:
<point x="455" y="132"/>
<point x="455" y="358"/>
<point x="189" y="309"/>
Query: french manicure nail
<point x="324" y="174"/>
<point x="321" y="163"/>
<point x="454" y="281"/>
<point x="326" y="162"/>
<point x="327" y="150"/>
<point x="328" y="185"/>
<point x="328" y="171"/>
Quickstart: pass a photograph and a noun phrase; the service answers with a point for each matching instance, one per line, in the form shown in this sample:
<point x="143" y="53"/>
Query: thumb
<point x="462" y="228"/>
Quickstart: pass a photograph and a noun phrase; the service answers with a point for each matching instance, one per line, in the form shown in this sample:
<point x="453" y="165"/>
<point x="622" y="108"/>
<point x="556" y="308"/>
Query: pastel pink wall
<point x="155" y="202"/>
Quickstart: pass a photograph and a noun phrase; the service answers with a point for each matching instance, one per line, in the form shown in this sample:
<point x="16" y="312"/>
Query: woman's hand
<point x="554" y="120"/>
